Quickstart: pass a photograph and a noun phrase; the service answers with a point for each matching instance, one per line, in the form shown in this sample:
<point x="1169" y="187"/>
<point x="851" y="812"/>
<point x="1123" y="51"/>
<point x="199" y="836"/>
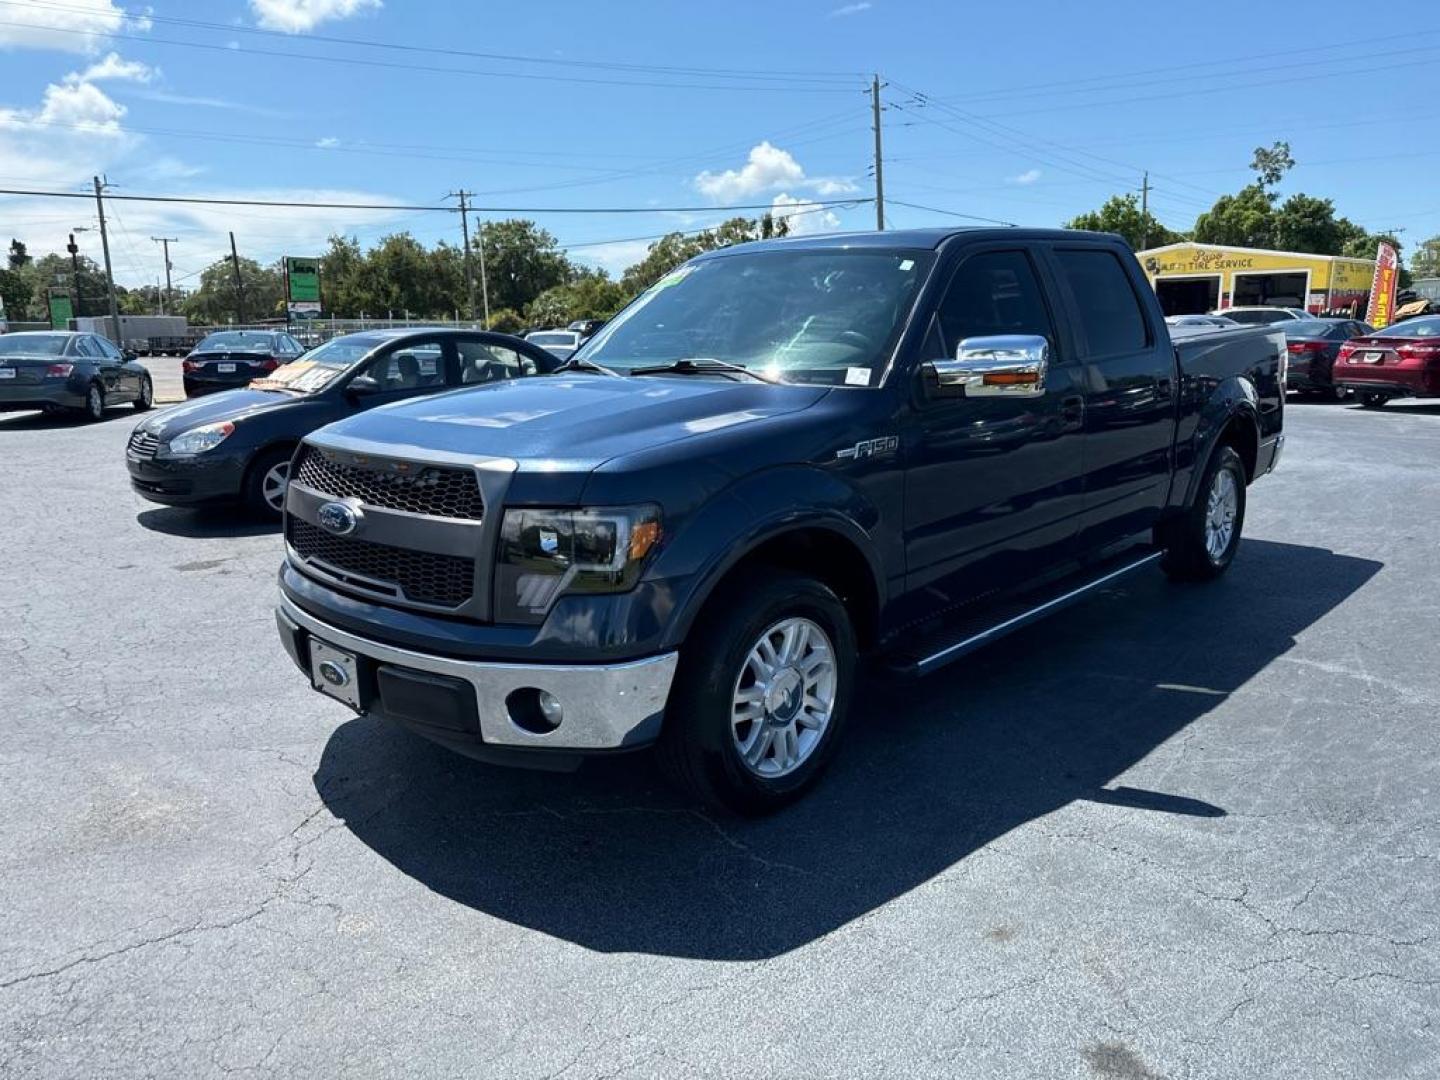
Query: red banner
<point x="1382" y="288"/>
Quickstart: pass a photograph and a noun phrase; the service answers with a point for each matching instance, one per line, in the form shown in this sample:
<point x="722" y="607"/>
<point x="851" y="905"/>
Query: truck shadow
<point x="612" y="860"/>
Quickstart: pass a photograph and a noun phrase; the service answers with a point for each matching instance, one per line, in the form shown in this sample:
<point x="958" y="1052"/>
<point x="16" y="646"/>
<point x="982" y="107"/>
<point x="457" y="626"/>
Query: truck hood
<point x="232" y="405"/>
<point x="568" y="423"/>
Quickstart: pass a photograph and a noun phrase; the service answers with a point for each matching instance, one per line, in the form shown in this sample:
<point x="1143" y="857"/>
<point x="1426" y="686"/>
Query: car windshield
<point x="552" y="339"/>
<point x="1423" y="327"/>
<point x="22" y="344"/>
<point x="321" y="366"/>
<point x="825" y="316"/>
<point x="236" y="341"/>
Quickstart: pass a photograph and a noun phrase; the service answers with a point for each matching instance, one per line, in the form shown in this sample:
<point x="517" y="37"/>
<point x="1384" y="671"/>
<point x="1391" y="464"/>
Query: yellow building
<point x="1193" y="278"/>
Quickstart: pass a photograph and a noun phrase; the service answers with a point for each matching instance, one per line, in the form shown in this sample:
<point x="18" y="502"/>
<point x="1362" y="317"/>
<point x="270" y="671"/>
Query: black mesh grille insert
<point x="442" y="580"/>
<point x="428" y="489"/>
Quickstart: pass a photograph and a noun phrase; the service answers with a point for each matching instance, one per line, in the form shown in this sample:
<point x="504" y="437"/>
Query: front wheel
<point x="762" y="695"/>
<point x="1373" y="400"/>
<point x="265" y="484"/>
<point x="1202" y="542"/>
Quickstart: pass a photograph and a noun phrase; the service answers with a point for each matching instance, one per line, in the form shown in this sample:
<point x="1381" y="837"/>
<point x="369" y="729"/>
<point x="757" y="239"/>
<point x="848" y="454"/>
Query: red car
<point x="1402" y="360"/>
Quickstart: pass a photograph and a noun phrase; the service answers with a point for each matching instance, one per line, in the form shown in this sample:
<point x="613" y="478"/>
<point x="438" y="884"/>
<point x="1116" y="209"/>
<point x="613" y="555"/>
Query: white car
<point x="559" y="343"/>
<point x="1258" y="316"/>
<point x="1199" y="320"/>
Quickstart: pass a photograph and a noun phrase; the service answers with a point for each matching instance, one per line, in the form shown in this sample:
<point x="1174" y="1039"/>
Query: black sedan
<point x="232" y="358"/>
<point x="235" y="447"/>
<point x="57" y="371"/>
<point x="1313" y="345"/>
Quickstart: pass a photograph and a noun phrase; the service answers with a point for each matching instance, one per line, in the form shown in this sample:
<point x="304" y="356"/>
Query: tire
<point x="1202" y="542"/>
<point x="94" y="408"/>
<point x="703" y="743"/>
<point x="260" y="495"/>
<point x="146" y="400"/>
<point x="1338" y="393"/>
<point x="1372" y="400"/>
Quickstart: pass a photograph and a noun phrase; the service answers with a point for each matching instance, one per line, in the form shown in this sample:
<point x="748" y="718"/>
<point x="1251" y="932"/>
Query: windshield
<point x="1423" y="327"/>
<point x="802" y="316"/>
<point x="321" y="366"/>
<point x="20" y="344"/>
<point x="552" y="339"/>
<point x="236" y="341"/>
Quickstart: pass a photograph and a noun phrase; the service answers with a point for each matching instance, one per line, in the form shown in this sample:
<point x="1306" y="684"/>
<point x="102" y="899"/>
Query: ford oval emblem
<point x="339" y="518"/>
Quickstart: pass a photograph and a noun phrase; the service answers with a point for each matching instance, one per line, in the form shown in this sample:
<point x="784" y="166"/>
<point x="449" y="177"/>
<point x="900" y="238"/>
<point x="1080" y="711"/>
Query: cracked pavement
<point x="1171" y="833"/>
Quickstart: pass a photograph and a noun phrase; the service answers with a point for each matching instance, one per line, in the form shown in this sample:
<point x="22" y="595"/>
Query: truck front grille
<point x="434" y="490"/>
<point x="418" y="576"/>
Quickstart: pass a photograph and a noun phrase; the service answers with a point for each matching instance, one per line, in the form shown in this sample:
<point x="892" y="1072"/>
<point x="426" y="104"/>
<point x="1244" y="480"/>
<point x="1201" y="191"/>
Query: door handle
<point x="1072" y="408"/>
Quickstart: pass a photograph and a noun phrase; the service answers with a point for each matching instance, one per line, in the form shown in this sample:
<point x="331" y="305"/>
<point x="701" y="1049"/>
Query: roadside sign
<point x="61" y="310"/>
<point x="1382" y="288"/>
<point x="302" y="285"/>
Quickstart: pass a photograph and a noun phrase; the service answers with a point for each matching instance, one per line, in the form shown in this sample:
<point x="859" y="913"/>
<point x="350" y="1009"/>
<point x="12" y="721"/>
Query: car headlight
<point x="546" y="554"/>
<point x="198" y="440"/>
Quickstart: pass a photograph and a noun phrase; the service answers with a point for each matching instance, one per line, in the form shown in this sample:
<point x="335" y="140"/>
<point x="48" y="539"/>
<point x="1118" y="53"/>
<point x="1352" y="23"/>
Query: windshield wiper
<point x="704" y="367"/>
<point x="585" y="365"/>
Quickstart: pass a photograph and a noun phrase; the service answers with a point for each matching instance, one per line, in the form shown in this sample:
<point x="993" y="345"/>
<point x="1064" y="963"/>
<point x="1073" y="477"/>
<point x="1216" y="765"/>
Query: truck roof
<point x="915" y="239"/>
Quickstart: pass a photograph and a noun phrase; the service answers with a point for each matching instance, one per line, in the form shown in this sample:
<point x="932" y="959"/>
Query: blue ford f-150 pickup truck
<point x="782" y="457"/>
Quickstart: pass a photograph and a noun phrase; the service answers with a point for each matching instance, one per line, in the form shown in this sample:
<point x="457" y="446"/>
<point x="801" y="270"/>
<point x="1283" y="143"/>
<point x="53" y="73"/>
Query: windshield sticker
<point x="673" y="278"/>
<point x="857" y="376"/>
<point x="906" y="265"/>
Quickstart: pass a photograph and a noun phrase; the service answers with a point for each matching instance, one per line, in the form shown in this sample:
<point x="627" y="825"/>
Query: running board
<point x="956" y="641"/>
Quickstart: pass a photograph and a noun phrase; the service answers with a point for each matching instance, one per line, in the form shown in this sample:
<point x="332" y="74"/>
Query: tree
<point x="342" y="289"/>
<point x="522" y="260"/>
<point x="1426" y="260"/>
<point x="16" y="290"/>
<point x="1272" y="164"/>
<point x="673" y="249"/>
<point x="19" y="256"/>
<point x="592" y="295"/>
<point x="215" y="301"/>
<point x="1122" y="214"/>
<point x="1306" y="223"/>
<point x="506" y="321"/>
<point x="1245" y="219"/>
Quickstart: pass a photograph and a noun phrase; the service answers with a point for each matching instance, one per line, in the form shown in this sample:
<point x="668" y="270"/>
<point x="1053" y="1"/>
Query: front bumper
<point x="465" y="704"/>
<point x="186" y="481"/>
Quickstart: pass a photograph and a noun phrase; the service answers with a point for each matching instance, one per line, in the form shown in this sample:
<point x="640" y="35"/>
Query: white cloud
<point x="75" y="26"/>
<point x="767" y="168"/>
<point x="804" y="218"/>
<point x="329" y="142"/>
<point x="113" y="67"/>
<point x="82" y="105"/>
<point x="849" y="9"/>
<point x="1029" y="176"/>
<point x="298" y="16"/>
<point x="615" y="257"/>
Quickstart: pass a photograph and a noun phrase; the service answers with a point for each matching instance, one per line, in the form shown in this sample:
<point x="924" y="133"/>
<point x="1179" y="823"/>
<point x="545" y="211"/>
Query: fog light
<point x="534" y="710"/>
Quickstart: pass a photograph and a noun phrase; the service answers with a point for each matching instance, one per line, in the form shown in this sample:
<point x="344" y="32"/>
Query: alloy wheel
<point x="784" y="697"/>
<point x="1221" y="506"/>
<point x="273" y="484"/>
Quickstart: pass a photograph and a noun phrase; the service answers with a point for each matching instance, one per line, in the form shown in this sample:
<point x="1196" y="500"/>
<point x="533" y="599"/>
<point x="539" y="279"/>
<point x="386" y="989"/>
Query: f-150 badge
<point x="871" y="448"/>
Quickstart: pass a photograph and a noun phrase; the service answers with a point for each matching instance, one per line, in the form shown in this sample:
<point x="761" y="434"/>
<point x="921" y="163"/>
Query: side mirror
<point x="999" y="365"/>
<point x="129" y="356"/>
<point x="364" y="384"/>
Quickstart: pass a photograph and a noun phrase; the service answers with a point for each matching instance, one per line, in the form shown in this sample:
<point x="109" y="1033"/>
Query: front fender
<point x="751" y="512"/>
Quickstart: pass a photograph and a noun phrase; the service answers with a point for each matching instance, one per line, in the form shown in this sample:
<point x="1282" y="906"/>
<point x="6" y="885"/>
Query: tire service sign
<point x="302" y="286"/>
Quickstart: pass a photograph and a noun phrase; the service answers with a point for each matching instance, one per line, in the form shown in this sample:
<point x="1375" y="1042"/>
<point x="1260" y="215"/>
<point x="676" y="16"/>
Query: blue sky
<point x="1026" y="113"/>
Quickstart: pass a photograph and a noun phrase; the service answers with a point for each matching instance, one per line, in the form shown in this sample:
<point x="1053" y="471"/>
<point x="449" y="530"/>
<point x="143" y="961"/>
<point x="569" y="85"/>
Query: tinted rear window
<point x="1314" y="328"/>
<point x="1111" y="321"/>
<point x="1423" y="327"/>
<point x="236" y="341"/>
<point x="1254" y="318"/>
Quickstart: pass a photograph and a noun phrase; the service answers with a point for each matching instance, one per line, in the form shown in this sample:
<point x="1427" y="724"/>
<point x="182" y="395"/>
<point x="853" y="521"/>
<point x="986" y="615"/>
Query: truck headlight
<point x="198" y="440"/>
<point x="545" y="554"/>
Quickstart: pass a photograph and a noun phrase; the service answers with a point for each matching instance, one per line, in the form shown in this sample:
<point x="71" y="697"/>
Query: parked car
<point x="1199" y="320"/>
<point x="783" y="455"/>
<point x="1402" y="360"/>
<point x="235" y="447"/>
<point x="231" y="358"/>
<point x="559" y="343"/>
<point x="1250" y="316"/>
<point x="586" y="328"/>
<point x="57" y="371"/>
<point x="1313" y="345"/>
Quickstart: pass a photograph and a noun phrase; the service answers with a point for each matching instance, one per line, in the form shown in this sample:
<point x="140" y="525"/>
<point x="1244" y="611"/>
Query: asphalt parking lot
<point x="1174" y="832"/>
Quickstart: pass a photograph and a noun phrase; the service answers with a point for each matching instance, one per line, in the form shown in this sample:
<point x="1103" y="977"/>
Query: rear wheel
<point x="94" y="407"/>
<point x="265" y="483"/>
<point x="1203" y="541"/>
<point x="1372" y="400"/>
<point x="762" y="696"/>
<point x="147" y="395"/>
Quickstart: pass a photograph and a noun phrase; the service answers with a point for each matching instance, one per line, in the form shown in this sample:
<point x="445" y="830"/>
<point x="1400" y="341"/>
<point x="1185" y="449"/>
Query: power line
<point x="952" y="213"/>
<point x="208" y="201"/>
<point x="231" y="28"/>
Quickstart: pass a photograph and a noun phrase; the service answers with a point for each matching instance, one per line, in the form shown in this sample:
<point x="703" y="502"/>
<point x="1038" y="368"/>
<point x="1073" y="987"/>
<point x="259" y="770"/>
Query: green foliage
<point x="1245" y="219"/>
<point x="19" y="256"/>
<point x="522" y="260"/>
<point x="1272" y="163"/>
<point x="675" y="248"/>
<point x="1426" y="260"/>
<point x="506" y="321"/>
<point x="592" y="295"/>
<point x="1122" y="214"/>
<point x="16" y="289"/>
<point x="216" y="300"/>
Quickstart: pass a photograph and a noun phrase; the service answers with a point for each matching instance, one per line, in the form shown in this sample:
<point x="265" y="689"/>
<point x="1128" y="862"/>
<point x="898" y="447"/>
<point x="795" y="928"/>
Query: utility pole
<point x="484" y="285"/>
<point x="109" y="275"/>
<point x="239" y="283"/>
<point x="462" y="195"/>
<point x="1145" y="211"/>
<point x="165" y="242"/>
<point x="879" y="157"/>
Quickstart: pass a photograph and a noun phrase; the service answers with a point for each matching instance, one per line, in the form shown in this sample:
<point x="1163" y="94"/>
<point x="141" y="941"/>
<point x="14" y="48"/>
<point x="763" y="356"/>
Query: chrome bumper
<point x="606" y="706"/>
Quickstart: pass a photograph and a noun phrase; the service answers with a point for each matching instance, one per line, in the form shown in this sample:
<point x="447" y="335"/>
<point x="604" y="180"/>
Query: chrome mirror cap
<point x="999" y="365"/>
